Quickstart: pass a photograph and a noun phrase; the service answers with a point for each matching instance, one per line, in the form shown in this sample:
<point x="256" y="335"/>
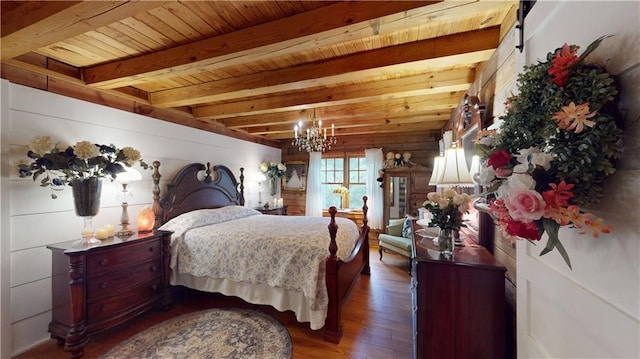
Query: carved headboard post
<point x="157" y="209"/>
<point x="241" y="186"/>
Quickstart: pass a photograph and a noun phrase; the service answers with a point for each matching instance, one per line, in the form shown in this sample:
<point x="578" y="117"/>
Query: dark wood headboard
<point x="196" y="186"/>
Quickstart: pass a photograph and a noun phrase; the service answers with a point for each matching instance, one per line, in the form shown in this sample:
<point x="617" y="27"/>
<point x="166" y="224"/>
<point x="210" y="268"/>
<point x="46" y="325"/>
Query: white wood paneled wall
<point x="592" y="311"/>
<point x="34" y="220"/>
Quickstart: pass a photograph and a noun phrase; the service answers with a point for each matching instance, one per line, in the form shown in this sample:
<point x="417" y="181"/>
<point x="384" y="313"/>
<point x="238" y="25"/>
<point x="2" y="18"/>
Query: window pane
<point x="328" y="197"/>
<point x="333" y="176"/>
<point x="356" y="192"/>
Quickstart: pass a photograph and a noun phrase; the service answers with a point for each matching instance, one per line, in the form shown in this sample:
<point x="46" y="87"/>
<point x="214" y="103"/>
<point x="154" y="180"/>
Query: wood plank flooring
<point x="376" y="319"/>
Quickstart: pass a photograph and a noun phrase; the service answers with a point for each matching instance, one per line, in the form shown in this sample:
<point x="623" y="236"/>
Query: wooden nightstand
<point x="100" y="286"/>
<point x="280" y="211"/>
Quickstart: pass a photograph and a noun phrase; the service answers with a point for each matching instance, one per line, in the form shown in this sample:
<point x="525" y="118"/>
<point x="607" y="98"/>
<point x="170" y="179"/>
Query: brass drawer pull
<point x="154" y="268"/>
<point x="104" y="307"/>
<point x="104" y="262"/>
<point x="103" y="285"/>
<point x="154" y="287"/>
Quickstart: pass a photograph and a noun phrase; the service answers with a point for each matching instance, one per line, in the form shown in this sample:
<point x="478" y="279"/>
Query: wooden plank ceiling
<point x="253" y="69"/>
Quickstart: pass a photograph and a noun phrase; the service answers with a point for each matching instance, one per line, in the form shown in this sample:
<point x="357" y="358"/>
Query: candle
<point x="102" y="233"/>
<point x="325" y="133"/>
<point x="332" y="130"/>
<point x="110" y="230"/>
<point x="295" y="130"/>
<point x="280" y="202"/>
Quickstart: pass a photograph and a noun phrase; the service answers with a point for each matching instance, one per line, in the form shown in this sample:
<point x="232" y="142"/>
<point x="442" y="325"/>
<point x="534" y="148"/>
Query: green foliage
<point x="584" y="159"/>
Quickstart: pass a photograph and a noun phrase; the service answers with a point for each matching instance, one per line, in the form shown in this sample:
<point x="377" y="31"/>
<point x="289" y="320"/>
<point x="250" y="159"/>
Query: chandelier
<point x="314" y="139"/>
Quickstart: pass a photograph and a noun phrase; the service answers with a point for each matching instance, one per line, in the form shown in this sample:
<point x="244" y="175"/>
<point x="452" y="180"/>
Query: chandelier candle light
<point x="316" y="139"/>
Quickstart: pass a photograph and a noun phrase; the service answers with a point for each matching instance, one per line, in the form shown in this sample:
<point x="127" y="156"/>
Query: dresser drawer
<point x="112" y="306"/>
<point x="111" y="260"/>
<point x="116" y="282"/>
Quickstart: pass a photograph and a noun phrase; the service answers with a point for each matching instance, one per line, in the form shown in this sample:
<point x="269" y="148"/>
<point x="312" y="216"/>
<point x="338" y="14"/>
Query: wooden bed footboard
<point x="341" y="274"/>
<point x="218" y="187"/>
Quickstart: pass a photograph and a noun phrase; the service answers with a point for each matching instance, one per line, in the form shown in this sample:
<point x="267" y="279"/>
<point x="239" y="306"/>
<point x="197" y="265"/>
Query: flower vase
<point x="446" y="243"/>
<point x="273" y="186"/>
<point x="86" y="200"/>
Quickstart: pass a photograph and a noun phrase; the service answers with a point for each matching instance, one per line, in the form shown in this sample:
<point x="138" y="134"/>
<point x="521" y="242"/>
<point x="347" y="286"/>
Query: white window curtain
<point x="373" y="158"/>
<point x="314" y="186"/>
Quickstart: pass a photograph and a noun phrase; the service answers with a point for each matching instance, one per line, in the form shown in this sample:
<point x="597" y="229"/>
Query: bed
<point x="204" y="207"/>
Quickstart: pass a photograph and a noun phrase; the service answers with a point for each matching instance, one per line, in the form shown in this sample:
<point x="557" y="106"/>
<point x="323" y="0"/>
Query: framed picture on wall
<point x="295" y="178"/>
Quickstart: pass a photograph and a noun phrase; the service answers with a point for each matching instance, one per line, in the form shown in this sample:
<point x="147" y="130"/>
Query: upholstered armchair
<point x="397" y="238"/>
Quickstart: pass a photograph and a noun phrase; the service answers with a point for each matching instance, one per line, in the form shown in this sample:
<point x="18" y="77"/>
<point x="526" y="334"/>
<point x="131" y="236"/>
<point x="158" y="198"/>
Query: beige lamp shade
<point x="475" y="167"/>
<point x="438" y="166"/>
<point x="129" y="175"/>
<point x="455" y="172"/>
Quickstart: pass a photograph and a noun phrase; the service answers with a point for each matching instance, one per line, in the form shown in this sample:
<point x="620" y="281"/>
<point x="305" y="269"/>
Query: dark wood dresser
<point x="458" y="305"/>
<point x="100" y="286"/>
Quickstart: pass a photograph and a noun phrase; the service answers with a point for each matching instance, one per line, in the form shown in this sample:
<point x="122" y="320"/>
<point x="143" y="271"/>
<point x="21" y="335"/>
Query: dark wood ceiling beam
<point x="387" y="109"/>
<point x="458" y="79"/>
<point x="296" y="33"/>
<point x="69" y="74"/>
<point x="396" y="107"/>
<point x="375" y="120"/>
<point x="41" y="23"/>
<point x="469" y="47"/>
<point x="372" y="130"/>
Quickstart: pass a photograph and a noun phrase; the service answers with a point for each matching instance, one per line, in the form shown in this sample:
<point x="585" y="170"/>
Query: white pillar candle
<point x="102" y="233"/>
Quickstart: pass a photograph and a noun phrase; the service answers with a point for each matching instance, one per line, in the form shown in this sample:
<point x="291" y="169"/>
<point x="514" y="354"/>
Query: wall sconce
<point x="125" y="178"/>
<point x="146" y="220"/>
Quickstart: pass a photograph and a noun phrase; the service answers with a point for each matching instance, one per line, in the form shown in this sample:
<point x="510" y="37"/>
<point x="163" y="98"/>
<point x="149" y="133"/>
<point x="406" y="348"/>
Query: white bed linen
<point x="263" y="259"/>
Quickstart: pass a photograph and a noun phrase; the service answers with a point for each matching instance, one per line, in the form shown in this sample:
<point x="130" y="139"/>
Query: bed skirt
<point x="261" y="294"/>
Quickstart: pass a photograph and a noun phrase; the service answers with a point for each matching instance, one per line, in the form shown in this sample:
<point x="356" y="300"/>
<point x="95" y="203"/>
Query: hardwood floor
<point x="376" y="319"/>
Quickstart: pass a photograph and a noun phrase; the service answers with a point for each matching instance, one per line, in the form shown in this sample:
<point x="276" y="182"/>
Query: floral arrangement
<point x="62" y="163"/>
<point x="341" y="190"/>
<point x="273" y="170"/>
<point x="555" y="146"/>
<point x="447" y="209"/>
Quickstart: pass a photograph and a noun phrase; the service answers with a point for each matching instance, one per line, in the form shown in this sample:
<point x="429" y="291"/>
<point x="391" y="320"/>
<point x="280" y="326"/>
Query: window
<point x="350" y="172"/>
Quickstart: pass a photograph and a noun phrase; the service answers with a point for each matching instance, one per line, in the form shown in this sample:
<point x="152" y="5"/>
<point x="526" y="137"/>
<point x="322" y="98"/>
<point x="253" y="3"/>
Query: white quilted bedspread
<point x="242" y="245"/>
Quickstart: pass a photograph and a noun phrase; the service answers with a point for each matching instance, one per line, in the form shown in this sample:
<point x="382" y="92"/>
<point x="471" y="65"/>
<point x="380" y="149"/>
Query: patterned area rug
<point x="213" y="333"/>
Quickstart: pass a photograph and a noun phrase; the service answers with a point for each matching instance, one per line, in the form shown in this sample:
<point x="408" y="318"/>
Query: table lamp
<point x="125" y="179"/>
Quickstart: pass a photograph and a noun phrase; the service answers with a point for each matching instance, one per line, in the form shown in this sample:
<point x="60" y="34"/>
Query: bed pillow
<point x="202" y="217"/>
<point x="406" y="228"/>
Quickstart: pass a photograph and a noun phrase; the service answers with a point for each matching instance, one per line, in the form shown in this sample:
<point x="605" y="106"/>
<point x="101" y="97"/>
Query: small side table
<point x="280" y="211"/>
